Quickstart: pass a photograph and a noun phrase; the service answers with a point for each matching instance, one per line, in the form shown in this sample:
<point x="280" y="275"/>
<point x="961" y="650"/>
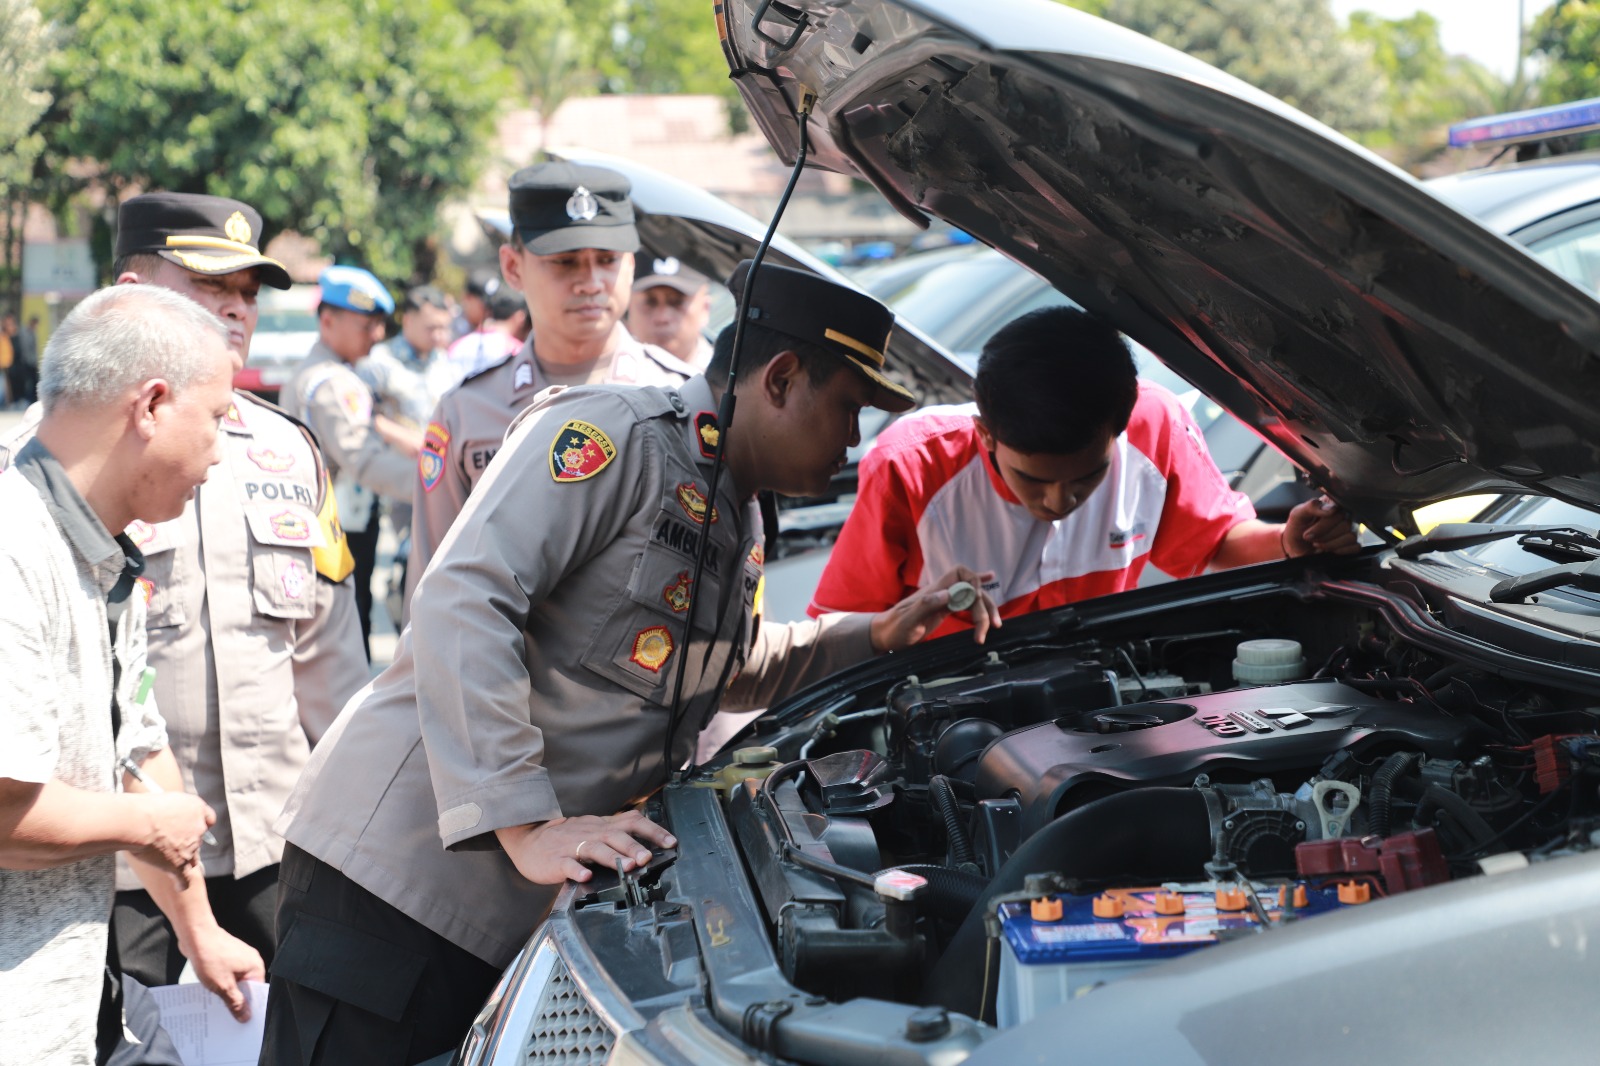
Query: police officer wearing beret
<point x="528" y="702"/>
<point x="251" y="615"/>
<point x="571" y="256"/>
<point x="325" y="391"/>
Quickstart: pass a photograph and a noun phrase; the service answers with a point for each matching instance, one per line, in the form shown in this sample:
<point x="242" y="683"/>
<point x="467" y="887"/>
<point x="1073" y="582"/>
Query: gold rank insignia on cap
<point x="237" y="228"/>
<point x="651" y="648"/>
<point x="677" y="593"/>
<point x="580" y="451"/>
<point x="693" y="502"/>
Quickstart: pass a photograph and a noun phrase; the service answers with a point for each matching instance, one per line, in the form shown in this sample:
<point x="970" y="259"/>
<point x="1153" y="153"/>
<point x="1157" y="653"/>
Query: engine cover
<point x="1055" y="766"/>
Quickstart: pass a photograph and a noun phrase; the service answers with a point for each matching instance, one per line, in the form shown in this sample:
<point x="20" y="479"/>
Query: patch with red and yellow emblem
<point x="580" y="451"/>
<point x="693" y="502"/>
<point x="652" y="647"/>
<point x="705" y="427"/>
<point x="290" y="526"/>
<point x="677" y="593"/>
<point x="270" y="461"/>
<point x="430" y="460"/>
<point x="758" y="555"/>
<point x="147" y="589"/>
<point x="231" y="420"/>
<point x="140" y="532"/>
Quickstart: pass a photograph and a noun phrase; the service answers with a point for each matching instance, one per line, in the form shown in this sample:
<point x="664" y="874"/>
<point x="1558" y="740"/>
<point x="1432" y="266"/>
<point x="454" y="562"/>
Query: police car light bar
<point x="1533" y="125"/>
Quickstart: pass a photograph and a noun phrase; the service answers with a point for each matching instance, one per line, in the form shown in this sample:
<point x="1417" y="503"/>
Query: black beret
<point x="829" y="316"/>
<point x="561" y="207"/>
<point x="205" y="234"/>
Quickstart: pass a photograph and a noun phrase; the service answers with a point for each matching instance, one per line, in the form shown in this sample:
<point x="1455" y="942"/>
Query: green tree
<point x="1566" y="36"/>
<point x="1425" y="88"/>
<point x="1292" y="49"/>
<point x="25" y="46"/>
<point x="350" y="121"/>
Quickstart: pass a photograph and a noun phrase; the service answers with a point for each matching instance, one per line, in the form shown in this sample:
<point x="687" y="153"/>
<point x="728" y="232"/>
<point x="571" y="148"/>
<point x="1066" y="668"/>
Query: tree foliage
<point x="350" y="121"/>
<point x="25" y="47"/>
<point x="1566" y="36"/>
<point x="1425" y="89"/>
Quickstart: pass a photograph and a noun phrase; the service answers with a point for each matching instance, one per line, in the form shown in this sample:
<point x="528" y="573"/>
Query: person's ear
<point x="511" y="266"/>
<point x="149" y="405"/>
<point x="779" y="377"/>
<point x="129" y="277"/>
<point x="984" y="435"/>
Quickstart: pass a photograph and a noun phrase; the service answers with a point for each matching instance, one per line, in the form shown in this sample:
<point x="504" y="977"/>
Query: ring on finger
<point x="577" y="852"/>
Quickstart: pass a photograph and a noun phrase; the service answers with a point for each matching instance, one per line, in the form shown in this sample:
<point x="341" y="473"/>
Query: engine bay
<point x="1015" y="827"/>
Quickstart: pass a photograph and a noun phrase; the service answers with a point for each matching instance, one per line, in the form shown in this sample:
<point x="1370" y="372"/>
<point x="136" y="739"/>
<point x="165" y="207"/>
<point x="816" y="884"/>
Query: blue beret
<point x="355" y="289"/>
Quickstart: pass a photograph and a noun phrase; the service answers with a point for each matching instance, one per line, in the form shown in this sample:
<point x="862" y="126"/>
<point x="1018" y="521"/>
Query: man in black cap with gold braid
<point x="252" y="622"/>
<point x="530" y="698"/>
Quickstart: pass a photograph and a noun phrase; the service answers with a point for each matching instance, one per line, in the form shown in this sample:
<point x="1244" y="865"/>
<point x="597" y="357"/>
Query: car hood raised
<point x="1395" y="349"/>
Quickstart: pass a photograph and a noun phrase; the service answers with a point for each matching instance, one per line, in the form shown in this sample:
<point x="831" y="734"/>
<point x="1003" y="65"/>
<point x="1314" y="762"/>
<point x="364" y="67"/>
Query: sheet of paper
<point x="203" y="1030"/>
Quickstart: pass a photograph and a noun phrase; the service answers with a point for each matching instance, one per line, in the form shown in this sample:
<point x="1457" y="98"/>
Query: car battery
<point x="1058" y="947"/>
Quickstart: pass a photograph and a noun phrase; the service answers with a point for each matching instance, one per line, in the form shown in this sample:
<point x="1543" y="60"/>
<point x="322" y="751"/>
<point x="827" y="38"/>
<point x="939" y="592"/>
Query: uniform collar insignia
<point x="705" y="427"/>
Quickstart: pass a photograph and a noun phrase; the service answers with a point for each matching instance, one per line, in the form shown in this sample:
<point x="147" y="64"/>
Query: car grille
<point x="566" y="1031"/>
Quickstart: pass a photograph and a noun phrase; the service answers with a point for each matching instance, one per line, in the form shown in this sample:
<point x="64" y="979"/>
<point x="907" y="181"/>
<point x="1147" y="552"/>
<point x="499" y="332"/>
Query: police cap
<point x="205" y="234"/>
<point x="674" y="275"/>
<point x="561" y="207"/>
<point x="833" y="317"/>
<point x="355" y="289"/>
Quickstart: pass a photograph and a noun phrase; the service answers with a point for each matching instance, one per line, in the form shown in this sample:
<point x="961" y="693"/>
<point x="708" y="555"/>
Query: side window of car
<point x="1574" y="253"/>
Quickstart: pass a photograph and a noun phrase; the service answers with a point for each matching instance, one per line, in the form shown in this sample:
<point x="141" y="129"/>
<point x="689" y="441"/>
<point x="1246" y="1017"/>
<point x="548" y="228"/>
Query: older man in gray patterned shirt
<point x="135" y="383"/>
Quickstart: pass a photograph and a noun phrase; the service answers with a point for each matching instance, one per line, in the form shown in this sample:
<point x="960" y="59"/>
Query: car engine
<point x="1009" y="828"/>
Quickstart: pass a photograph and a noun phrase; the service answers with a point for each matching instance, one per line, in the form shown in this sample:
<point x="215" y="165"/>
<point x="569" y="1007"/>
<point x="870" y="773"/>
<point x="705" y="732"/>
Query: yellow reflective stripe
<point x="333" y="559"/>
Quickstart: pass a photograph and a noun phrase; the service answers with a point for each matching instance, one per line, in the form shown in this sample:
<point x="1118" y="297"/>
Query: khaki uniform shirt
<point x="255" y="649"/>
<point x="534" y="679"/>
<point x="470" y="423"/>
<point x="328" y="395"/>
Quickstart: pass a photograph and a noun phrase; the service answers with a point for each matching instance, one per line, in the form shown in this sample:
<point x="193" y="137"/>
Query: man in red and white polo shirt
<point x="1065" y="479"/>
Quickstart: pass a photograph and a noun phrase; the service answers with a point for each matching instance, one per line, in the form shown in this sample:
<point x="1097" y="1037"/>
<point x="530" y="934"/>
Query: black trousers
<point x="148" y="948"/>
<point x="356" y="981"/>
<point x="364" y="551"/>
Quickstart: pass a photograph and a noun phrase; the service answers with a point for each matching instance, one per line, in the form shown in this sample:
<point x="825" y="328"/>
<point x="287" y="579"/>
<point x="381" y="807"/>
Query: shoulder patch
<point x="651" y="648"/>
<point x="580" y="451"/>
<point x="522" y="377"/>
<point x="705" y="427"/>
<point x="430" y="460"/>
<point x="353" y="397"/>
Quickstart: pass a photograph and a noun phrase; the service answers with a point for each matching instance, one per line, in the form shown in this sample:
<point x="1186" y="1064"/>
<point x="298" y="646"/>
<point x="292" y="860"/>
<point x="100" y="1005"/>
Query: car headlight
<point x="538" y="1016"/>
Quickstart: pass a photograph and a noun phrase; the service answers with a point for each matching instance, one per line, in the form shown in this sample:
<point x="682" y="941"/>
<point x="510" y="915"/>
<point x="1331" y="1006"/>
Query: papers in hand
<point x="203" y="1030"/>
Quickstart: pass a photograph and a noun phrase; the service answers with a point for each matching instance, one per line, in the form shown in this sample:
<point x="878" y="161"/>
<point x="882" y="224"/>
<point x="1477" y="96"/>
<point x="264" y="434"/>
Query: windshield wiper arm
<point x="1585" y="576"/>
<point x="1552" y="542"/>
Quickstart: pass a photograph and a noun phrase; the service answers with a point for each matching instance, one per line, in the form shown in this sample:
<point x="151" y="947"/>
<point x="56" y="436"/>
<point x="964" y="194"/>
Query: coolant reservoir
<point x="1268" y="662"/>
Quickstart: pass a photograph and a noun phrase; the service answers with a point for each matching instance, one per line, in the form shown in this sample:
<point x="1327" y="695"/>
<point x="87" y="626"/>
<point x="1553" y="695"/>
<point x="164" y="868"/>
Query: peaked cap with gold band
<point x="205" y="234"/>
<point x="826" y="315"/>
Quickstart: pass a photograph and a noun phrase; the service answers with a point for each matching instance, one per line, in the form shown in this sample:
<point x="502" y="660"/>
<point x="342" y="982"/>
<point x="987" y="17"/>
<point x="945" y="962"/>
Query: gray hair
<point x="121" y="336"/>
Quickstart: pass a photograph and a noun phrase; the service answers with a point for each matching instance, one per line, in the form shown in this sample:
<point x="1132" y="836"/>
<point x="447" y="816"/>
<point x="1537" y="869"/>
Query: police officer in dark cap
<point x="571" y="257"/>
<point x="448" y="805"/>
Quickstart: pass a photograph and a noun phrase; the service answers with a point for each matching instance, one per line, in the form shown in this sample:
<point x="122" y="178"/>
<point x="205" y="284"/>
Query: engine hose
<point x="944" y="801"/>
<point x="1142" y="835"/>
<point x="1467" y="820"/>
<point x="951" y="893"/>
<point x="1381" y="795"/>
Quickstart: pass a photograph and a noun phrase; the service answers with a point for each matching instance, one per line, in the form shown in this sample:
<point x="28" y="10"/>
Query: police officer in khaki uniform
<point x="327" y="393"/>
<point x="670" y="307"/>
<point x="571" y="255"/>
<point x="251" y="616"/>
<point x="529" y="700"/>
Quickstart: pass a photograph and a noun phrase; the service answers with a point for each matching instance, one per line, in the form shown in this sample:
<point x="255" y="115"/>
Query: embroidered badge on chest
<point x="147" y="589"/>
<point x="705" y="427"/>
<point x="693" y="502"/>
<point x="290" y="526"/>
<point x="231" y="420"/>
<point x="580" y="451"/>
<point x="677" y="593"/>
<point x="652" y="647"/>
<point x="270" y="461"/>
<point x="758" y="555"/>
<point x="295" y="577"/>
<point x="430" y="460"/>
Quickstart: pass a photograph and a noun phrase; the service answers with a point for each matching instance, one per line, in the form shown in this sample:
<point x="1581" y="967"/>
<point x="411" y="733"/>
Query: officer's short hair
<point x="761" y="346"/>
<point x="1053" y="380"/>
<point x="144" y="264"/>
<point x="420" y="296"/>
<point x="123" y="335"/>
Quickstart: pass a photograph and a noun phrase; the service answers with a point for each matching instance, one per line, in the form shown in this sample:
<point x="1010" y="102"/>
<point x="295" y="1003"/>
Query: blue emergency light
<point x="1535" y="124"/>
